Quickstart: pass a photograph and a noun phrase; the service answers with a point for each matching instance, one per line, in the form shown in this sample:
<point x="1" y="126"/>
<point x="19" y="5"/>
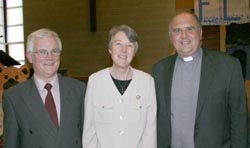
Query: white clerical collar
<point x="193" y="57"/>
<point x="187" y="59"/>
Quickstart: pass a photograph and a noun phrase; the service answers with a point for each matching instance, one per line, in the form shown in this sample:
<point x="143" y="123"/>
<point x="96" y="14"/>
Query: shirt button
<point x="121" y="100"/>
<point x="121" y="117"/>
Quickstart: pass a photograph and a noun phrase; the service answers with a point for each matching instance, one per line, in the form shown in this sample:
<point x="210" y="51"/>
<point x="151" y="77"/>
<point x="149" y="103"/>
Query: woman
<point x="120" y="102"/>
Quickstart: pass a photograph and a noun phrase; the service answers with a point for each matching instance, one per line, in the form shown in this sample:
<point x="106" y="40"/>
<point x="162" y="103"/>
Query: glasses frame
<point x="189" y="29"/>
<point x="42" y="53"/>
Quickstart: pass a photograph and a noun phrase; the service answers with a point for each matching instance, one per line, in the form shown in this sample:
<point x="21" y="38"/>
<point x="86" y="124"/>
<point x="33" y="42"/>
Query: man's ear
<point x="28" y="55"/>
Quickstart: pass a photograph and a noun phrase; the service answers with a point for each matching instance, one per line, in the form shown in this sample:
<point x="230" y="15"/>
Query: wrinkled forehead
<point x="120" y="36"/>
<point x="48" y="42"/>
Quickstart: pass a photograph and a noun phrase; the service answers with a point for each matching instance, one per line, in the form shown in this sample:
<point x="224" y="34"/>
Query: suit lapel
<point x="207" y="74"/>
<point x="65" y="96"/>
<point x="168" y="81"/>
<point x="36" y="106"/>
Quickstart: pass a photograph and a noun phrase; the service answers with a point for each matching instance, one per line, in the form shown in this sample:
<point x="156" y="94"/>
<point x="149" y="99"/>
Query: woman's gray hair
<point x="129" y="32"/>
<point x="42" y="33"/>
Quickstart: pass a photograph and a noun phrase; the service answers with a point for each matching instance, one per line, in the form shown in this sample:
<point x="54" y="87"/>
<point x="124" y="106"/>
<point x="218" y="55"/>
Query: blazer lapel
<point x="207" y="74"/>
<point x="65" y="96"/>
<point x="168" y="81"/>
<point x="36" y="106"/>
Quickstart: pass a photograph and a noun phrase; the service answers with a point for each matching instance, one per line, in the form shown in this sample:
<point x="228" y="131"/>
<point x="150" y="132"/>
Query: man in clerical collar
<point x="201" y="98"/>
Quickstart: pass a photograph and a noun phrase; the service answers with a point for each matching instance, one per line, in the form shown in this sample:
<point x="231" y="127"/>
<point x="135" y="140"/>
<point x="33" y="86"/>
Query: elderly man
<point x="45" y="111"/>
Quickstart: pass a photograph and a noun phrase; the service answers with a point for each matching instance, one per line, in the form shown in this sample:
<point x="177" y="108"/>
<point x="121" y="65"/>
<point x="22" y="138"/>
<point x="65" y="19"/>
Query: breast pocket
<point x="137" y="111"/>
<point x="103" y="112"/>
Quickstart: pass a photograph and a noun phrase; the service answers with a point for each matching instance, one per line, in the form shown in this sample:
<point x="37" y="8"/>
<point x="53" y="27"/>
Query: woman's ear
<point x="110" y="51"/>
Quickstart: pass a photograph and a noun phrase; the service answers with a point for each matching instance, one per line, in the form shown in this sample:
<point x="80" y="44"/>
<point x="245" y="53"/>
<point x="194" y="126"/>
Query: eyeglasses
<point x="44" y="53"/>
<point x="189" y="29"/>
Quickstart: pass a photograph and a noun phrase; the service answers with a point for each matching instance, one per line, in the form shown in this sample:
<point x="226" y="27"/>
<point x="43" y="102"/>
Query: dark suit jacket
<point x="221" y="115"/>
<point x="27" y="123"/>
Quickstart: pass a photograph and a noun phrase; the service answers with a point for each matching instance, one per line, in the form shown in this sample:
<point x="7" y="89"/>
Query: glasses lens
<point x="55" y="52"/>
<point x="45" y="53"/>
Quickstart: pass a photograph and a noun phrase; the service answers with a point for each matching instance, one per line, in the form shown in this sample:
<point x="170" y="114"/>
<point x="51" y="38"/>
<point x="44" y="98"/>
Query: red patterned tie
<point x="50" y="105"/>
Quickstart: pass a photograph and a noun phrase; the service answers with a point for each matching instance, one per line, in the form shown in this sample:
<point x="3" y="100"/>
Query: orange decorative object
<point x="10" y="76"/>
